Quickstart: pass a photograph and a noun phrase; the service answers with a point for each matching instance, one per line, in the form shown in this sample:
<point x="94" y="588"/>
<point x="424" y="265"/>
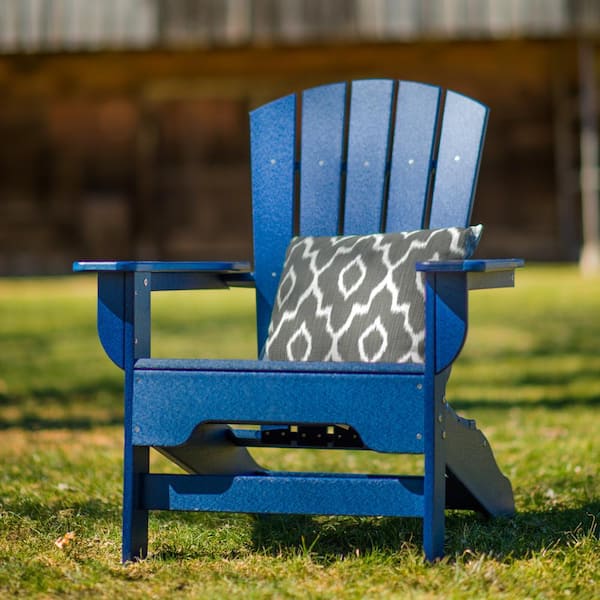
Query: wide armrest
<point x="124" y="287"/>
<point x="176" y="275"/>
<point x="446" y="307"/>
<point x="162" y="266"/>
<point x="471" y="265"/>
<point x="480" y="273"/>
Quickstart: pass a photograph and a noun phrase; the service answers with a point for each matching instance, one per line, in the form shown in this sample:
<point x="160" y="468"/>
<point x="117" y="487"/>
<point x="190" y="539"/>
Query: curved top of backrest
<point x="360" y="157"/>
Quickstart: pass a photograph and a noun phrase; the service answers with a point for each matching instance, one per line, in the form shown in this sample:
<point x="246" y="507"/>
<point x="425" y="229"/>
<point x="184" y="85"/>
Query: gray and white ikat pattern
<point x="358" y="298"/>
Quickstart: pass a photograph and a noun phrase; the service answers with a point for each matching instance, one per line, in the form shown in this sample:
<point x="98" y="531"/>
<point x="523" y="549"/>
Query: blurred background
<point x="124" y="127"/>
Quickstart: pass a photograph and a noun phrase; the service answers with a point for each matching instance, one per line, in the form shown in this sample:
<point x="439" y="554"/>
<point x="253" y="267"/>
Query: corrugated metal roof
<point x="64" y="25"/>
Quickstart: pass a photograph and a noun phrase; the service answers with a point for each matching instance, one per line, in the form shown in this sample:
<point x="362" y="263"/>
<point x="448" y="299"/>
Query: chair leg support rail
<point x="286" y="493"/>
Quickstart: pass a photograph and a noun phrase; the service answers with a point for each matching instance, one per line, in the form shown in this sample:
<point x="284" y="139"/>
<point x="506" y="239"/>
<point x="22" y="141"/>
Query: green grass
<point x="530" y="376"/>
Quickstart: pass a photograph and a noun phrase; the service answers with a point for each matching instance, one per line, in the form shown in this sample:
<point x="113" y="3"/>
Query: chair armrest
<point x="124" y="290"/>
<point x="162" y="266"/>
<point x="446" y="290"/>
<point x="177" y="275"/>
<point x="480" y="273"/>
<point x="471" y="265"/>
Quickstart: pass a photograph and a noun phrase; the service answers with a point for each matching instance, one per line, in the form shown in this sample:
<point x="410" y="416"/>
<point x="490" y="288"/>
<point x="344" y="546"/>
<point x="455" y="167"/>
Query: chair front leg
<point x="135" y="519"/>
<point x="136" y="459"/>
<point x="435" y="468"/>
<point x="445" y="327"/>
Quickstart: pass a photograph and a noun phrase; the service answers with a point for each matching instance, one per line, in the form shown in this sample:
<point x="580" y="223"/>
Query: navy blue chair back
<point x="363" y="157"/>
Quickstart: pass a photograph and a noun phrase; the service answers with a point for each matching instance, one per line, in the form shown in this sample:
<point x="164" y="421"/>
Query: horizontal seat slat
<point x="264" y="366"/>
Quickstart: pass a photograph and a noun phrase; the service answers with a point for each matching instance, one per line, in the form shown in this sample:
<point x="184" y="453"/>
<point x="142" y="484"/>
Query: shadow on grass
<point x="547" y="389"/>
<point x="79" y="407"/>
<point x="38" y="423"/>
<point x="63" y="509"/>
<point x="522" y="535"/>
<point x="330" y="539"/>
<point x="82" y="393"/>
<point x="560" y="403"/>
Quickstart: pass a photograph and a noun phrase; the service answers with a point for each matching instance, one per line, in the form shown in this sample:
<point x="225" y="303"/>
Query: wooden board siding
<point x="81" y="25"/>
<point x="145" y="155"/>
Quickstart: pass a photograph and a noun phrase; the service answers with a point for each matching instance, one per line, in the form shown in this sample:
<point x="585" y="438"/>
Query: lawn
<point x="529" y="375"/>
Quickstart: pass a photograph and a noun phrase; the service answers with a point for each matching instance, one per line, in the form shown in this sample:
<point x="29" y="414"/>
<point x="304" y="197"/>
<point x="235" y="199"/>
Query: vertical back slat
<point x="461" y="143"/>
<point x="369" y="126"/>
<point x="272" y="140"/>
<point x="321" y="159"/>
<point x="417" y="109"/>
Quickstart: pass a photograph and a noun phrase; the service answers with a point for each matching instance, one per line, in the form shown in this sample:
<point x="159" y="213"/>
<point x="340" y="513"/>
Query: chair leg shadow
<point x="331" y="538"/>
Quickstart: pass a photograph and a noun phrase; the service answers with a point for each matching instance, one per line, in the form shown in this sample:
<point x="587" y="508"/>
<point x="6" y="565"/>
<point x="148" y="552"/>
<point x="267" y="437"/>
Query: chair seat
<point x="382" y="402"/>
<point x="274" y="366"/>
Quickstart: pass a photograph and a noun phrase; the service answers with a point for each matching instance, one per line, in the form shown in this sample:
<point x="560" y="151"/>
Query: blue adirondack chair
<point x="369" y="156"/>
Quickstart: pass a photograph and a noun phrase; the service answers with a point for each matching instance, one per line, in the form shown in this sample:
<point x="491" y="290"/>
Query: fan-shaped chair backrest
<point x="355" y="158"/>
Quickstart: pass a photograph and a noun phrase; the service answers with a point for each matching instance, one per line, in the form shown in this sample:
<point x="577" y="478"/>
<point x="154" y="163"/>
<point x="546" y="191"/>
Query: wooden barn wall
<point x="145" y="155"/>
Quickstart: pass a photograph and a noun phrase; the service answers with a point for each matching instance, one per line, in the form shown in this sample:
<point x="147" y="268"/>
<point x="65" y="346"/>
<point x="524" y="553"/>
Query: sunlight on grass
<point x="204" y="324"/>
<point x="529" y="374"/>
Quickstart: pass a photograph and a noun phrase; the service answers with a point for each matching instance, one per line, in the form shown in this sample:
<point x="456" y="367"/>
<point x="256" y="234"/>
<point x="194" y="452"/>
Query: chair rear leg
<point x="135" y="519"/>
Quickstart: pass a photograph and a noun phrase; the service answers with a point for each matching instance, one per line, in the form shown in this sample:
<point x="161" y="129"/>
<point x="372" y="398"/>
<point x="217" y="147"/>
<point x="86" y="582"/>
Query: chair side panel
<point x="461" y="144"/>
<point x="416" y="118"/>
<point x="368" y="137"/>
<point x="272" y="139"/>
<point x="321" y="159"/>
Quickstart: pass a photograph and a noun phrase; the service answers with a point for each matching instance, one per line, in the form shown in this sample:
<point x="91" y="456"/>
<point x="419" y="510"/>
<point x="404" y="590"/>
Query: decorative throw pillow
<point x="358" y="298"/>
